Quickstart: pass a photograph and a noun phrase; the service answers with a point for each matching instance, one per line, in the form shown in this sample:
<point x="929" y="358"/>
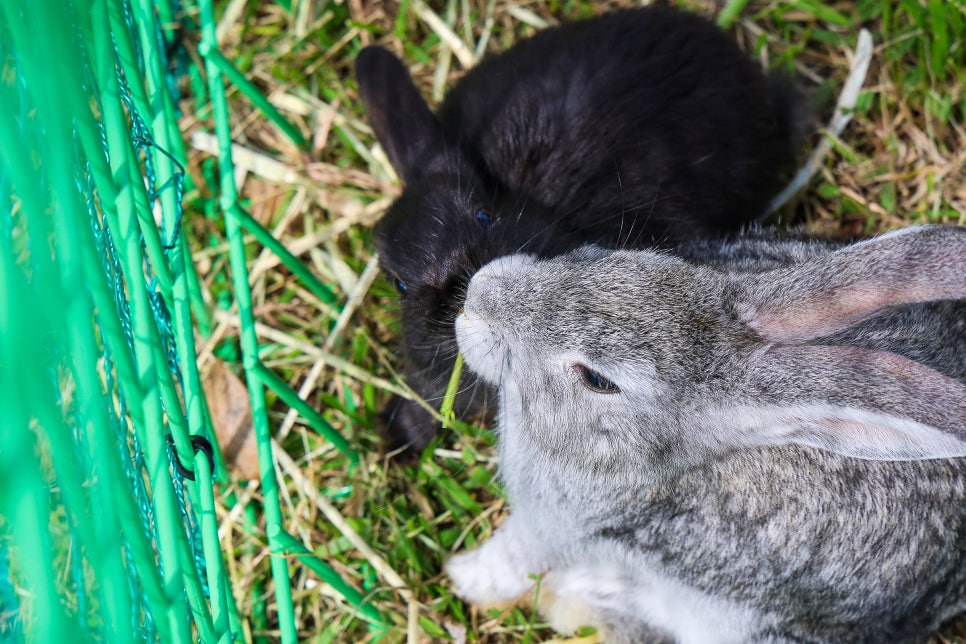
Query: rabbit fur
<point x="639" y="128"/>
<point x="749" y="441"/>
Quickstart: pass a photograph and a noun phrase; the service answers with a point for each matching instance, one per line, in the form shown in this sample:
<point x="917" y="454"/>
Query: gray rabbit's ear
<point x="831" y="293"/>
<point x="857" y="402"/>
<point x="854" y="401"/>
<point x="405" y="126"/>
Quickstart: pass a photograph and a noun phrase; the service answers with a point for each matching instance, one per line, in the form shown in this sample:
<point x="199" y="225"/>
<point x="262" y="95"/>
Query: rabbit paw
<point x="496" y="574"/>
<point x="485" y="580"/>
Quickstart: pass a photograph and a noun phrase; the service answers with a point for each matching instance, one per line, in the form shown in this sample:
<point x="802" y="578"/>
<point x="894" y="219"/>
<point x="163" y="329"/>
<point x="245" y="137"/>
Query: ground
<point x="899" y="162"/>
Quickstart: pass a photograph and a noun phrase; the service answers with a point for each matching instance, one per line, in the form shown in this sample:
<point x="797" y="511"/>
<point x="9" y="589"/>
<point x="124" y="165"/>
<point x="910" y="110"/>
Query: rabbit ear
<point x="853" y="401"/>
<point x="411" y="135"/>
<point x="831" y="293"/>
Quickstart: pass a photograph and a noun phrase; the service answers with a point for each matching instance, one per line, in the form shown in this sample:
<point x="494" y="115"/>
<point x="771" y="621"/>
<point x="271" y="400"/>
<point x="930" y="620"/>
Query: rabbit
<point x="698" y="447"/>
<point x="639" y="128"/>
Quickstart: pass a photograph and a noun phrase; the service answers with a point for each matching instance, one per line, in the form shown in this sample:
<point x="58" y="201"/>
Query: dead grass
<point x="901" y="161"/>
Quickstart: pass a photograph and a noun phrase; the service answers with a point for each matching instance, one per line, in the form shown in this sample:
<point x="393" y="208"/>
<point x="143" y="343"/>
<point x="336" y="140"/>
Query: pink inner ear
<point x="839" y="290"/>
<point x="820" y="314"/>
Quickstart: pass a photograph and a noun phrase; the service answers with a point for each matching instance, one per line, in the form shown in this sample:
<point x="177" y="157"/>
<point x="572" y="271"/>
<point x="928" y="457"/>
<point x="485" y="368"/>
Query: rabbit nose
<point x="491" y="290"/>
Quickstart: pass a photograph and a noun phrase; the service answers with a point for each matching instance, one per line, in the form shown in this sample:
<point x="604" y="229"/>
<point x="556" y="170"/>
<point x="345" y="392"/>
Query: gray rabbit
<point x="754" y="441"/>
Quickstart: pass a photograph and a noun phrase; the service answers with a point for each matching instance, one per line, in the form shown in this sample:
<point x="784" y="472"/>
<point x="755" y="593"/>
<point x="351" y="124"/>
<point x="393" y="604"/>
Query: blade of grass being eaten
<point x="446" y="409"/>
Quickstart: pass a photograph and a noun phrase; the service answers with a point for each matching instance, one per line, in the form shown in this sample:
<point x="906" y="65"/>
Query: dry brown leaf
<point x="231" y="418"/>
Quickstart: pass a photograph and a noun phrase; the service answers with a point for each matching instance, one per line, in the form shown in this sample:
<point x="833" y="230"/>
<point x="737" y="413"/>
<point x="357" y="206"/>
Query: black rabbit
<point x="640" y="128"/>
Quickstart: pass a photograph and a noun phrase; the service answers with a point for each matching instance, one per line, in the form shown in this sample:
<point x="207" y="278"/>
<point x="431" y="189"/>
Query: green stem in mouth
<point x="446" y="409"/>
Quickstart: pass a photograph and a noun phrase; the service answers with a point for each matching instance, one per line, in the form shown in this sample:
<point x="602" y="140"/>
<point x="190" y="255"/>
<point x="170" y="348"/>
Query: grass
<point x="901" y="161"/>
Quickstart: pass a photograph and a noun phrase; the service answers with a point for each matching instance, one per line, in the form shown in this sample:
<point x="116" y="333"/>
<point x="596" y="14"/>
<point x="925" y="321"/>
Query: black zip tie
<point x="199" y="444"/>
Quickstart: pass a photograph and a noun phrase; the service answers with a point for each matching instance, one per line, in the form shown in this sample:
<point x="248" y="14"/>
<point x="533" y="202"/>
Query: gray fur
<point x="752" y="481"/>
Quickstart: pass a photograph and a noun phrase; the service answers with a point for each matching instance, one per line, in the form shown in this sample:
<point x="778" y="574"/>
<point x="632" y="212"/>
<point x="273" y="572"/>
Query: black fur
<point x="640" y="128"/>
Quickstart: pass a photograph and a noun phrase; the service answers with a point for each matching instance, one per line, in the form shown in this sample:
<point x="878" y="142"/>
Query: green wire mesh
<point x="101" y="539"/>
<point x="259" y="377"/>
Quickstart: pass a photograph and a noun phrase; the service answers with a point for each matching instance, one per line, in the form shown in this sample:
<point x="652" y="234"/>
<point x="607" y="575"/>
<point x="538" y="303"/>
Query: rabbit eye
<point x="594" y="381"/>
<point x="483" y="217"/>
<point x="400" y="286"/>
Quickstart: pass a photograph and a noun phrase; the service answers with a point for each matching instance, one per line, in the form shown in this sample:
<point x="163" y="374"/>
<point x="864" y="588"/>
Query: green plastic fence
<point x="281" y="543"/>
<point x="100" y="538"/>
<point x="108" y="530"/>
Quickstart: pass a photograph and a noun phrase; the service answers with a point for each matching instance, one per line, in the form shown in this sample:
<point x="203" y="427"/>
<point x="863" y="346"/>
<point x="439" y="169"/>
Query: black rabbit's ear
<point x="411" y="135"/>
<point x="834" y="292"/>
<point x="858" y="402"/>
